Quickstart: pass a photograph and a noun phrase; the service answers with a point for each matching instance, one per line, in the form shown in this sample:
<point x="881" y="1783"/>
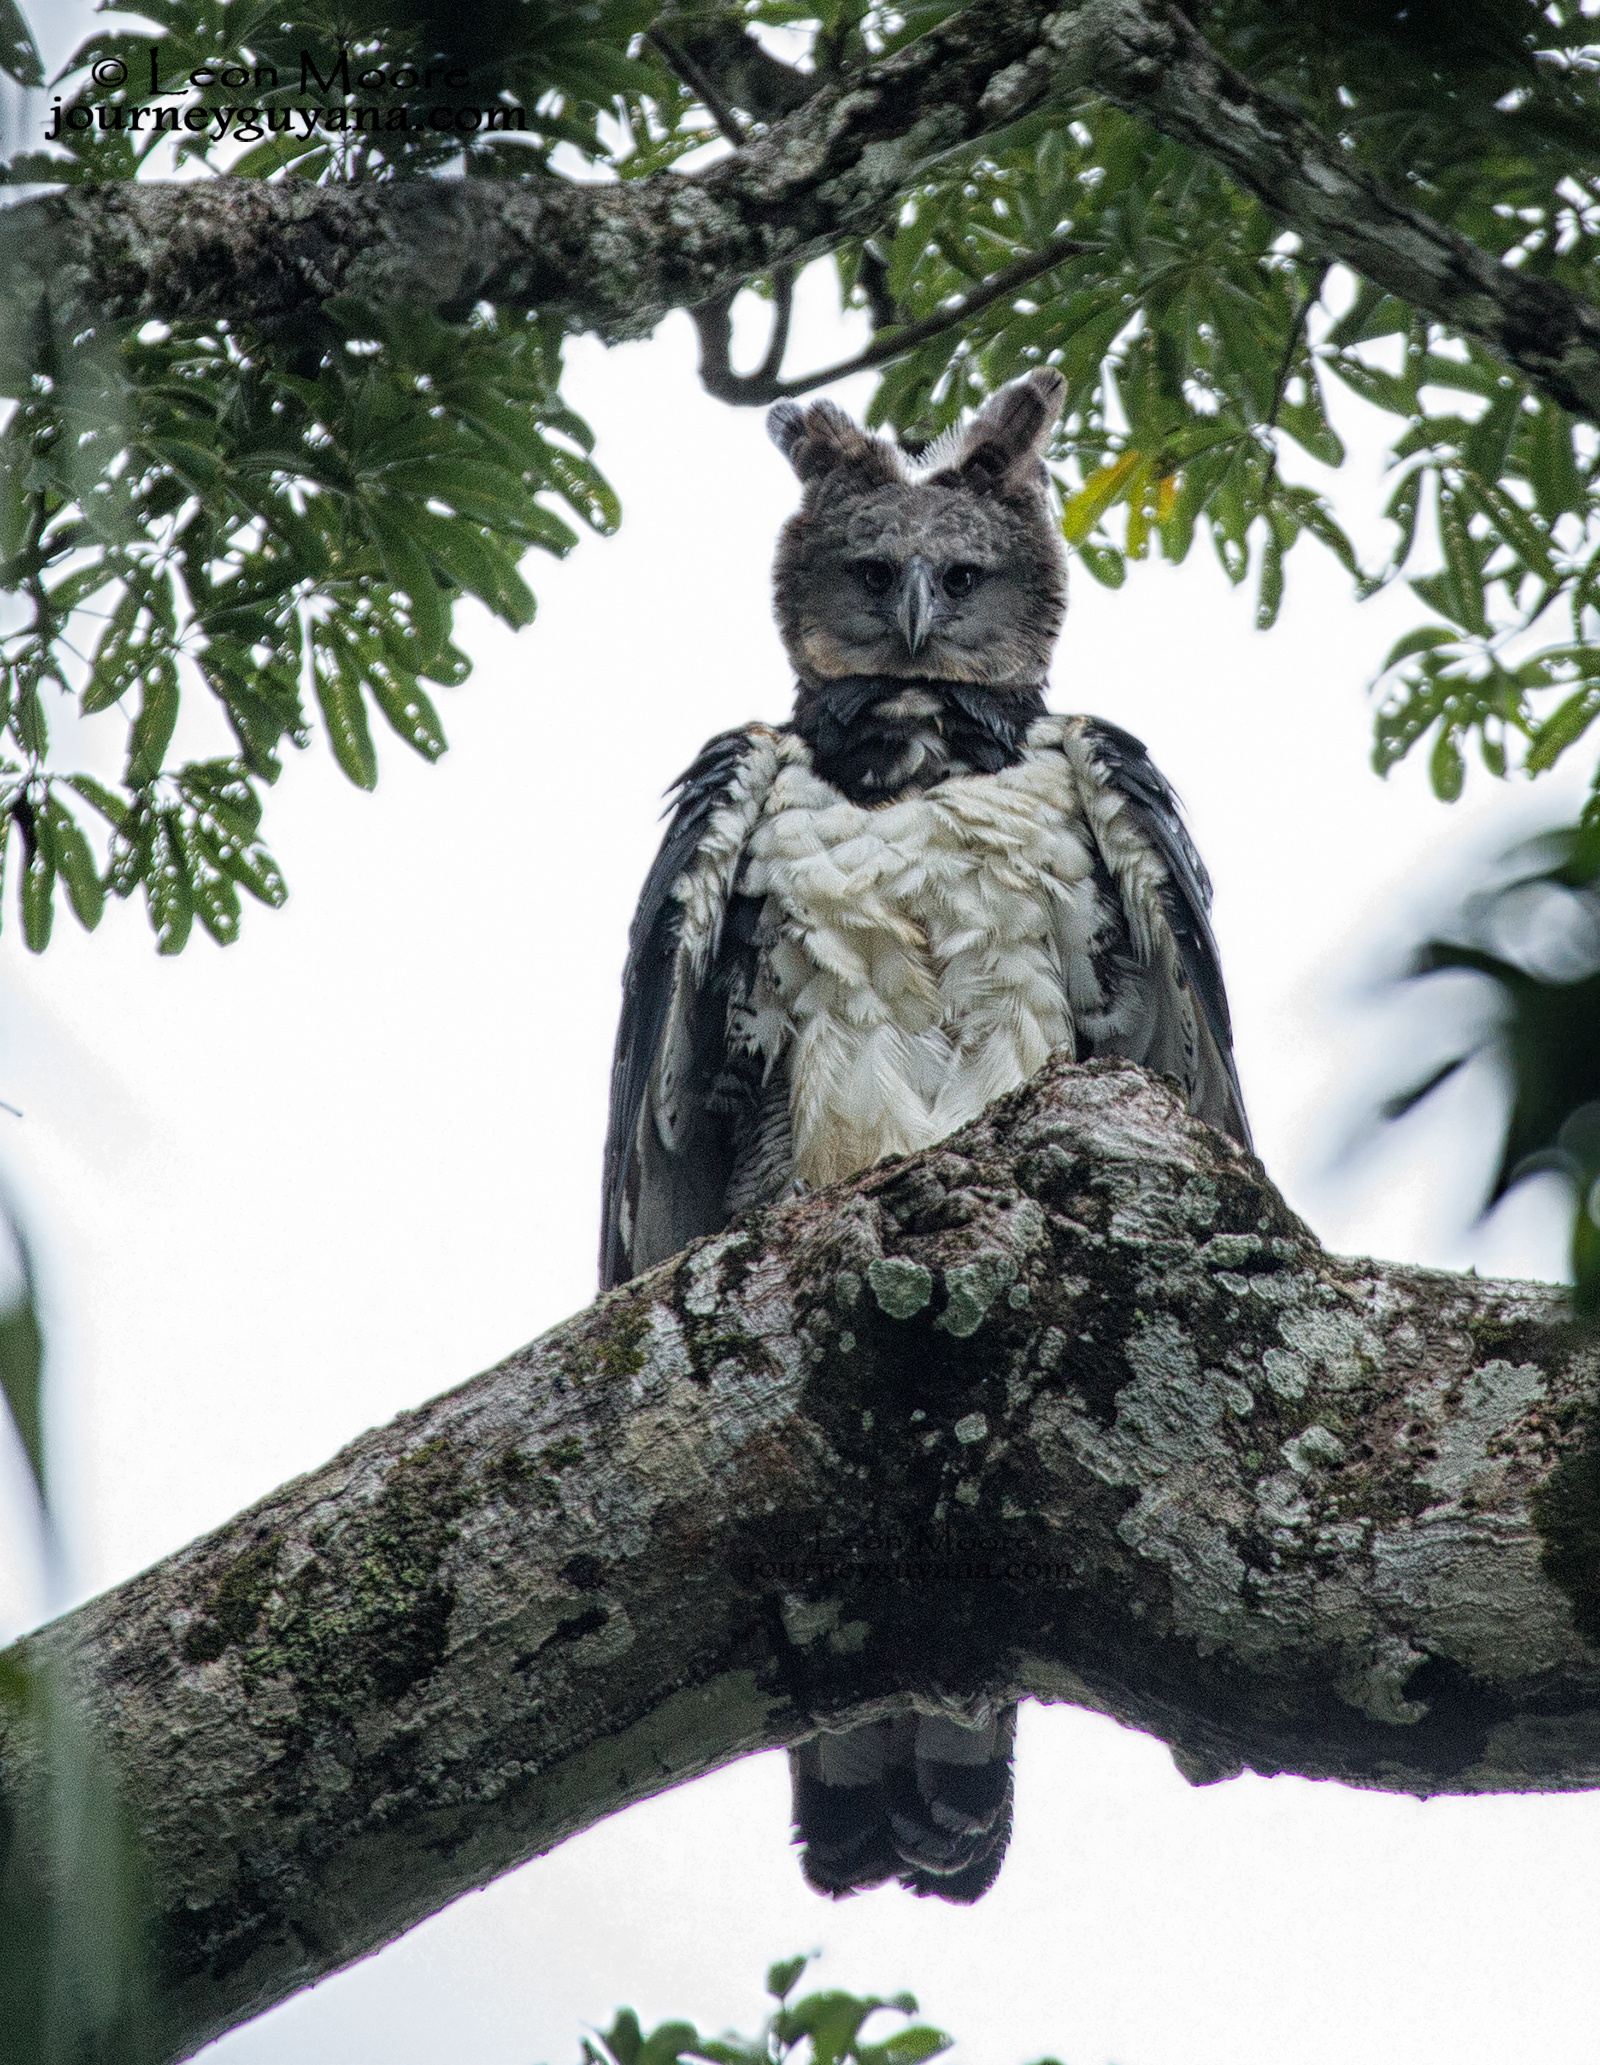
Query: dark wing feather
<point x="1154" y="808"/>
<point x="682" y="1190"/>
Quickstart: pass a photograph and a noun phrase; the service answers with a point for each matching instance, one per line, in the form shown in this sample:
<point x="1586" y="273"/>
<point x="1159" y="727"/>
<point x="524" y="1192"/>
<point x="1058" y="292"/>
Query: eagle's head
<point x="952" y="570"/>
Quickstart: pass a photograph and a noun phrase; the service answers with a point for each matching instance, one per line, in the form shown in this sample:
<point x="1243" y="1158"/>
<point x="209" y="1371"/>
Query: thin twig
<point x="699" y="83"/>
<point x="1286" y="367"/>
<point x="713" y="321"/>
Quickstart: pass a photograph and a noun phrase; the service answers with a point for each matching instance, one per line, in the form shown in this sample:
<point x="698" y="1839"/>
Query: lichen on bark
<point x="1071" y="1405"/>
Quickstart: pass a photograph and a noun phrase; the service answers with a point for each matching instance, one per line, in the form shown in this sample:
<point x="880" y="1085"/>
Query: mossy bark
<point x="1070" y="1406"/>
<point x="616" y="258"/>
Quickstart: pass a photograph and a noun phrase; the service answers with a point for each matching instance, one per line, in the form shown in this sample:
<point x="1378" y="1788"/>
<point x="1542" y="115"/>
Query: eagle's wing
<point x="1185" y="899"/>
<point x="677" y="1113"/>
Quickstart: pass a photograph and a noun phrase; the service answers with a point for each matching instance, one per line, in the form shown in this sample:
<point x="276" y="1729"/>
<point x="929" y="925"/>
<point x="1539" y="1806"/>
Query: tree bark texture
<point x="1070" y="1406"/>
<point x="616" y="258"/>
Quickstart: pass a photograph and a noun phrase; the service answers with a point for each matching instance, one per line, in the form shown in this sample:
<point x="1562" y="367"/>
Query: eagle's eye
<point x="961" y="580"/>
<point x="877" y="576"/>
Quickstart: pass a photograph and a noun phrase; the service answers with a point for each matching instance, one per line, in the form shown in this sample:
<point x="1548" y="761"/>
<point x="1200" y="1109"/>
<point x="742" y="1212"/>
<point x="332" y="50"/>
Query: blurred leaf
<point x="781" y="1977"/>
<point x="667" y="2043"/>
<point x="21" y="1370"/>
<point x="624" y="2039"/>
<point x="1446" y="770"/>
<point x="19" y="55"/>
<point x="906" y="2047"/>
<point x="1547" y="1029"/>
<point x="72" y="1898"/>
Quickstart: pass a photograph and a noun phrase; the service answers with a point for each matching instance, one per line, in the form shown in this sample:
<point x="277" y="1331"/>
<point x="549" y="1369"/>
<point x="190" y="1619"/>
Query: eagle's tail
<point x="925" y="1798"/>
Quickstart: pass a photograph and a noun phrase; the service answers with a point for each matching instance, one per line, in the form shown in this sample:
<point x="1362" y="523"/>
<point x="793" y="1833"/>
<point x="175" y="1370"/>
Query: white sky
<point x="282" y="1192"/>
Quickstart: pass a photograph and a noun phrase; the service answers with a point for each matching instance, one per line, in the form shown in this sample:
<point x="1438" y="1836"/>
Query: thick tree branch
<point x="1070" y="1406"/>
<point x="616" y="258"/>
<point x="1152" y="61"/>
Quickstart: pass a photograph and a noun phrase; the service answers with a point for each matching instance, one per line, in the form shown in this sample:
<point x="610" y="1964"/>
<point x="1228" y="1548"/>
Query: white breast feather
<point x="925" y="955"/>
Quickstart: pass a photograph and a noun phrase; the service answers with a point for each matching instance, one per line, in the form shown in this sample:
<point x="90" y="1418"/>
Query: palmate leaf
<point x="287" y="527"/>
<point x="284" y="541"/>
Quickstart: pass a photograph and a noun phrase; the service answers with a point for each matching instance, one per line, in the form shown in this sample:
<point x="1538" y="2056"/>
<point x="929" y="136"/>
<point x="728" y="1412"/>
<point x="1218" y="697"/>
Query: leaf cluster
<point x="1509" y="483"/>
<point x="824" y="2027"/>
<point x="1472" y="105"/>
<point x="269" y="526"/>
<point x="1198" y="353"/>
<point x="1180" y="326"/>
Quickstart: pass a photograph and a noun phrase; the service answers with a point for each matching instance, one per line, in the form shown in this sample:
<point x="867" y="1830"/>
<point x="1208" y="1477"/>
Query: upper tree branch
<point x="616" y="258"/>
<point x="700" y="82"/>
<point x="741" y="72"/>
<point x="1071" y="1405"/>
<point x="714" y="322"/>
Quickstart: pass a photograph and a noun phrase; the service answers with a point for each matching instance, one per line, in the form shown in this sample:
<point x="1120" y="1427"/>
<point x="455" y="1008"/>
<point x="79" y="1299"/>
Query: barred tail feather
<point x="923" y="1798"/>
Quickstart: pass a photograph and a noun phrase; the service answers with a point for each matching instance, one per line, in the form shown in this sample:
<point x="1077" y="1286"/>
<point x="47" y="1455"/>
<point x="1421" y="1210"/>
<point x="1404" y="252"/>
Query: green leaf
<point x="1552" y="466"/>
<point x="1374" y="313"/>
<point x="1513" y="525"/>
<point x="1463" y="563"/>
<point x="216" y="901"/>
<point x="406" y="564"/>
<point x="624" y="2038"/>
<point x="345" y="714"/>
<point x="253" y="868"/>
<point x="1423" y="639"/>
<point x="1307" y="423"/>
<point x="75" y="863"/>
<point x="667" y="2043"/>
<point x="1269" y="596"/>
<point x="21" y="1372"/>
<point x="906" y="2047"/>
<point x="1562" y="728"/>
<point x="1105" y="486"/>
<point x="38" y="885"/>
<point x="410" y="713"/>
<point x="151" y="731"/>
<point x="1446" y="769"/>
<point x="1312" y="512"/>
<point x="831" y="2020"/>
<point x="1383" y="390"/>
<point x="781" y="1977"/>
<point x="476" y="563"/>
<point x="112" y="807"/>
<point x="19" y="54"/>
<point x="1104" y="562"/>
<point x="166" y="885"/>
<point x="1402" y="510"/>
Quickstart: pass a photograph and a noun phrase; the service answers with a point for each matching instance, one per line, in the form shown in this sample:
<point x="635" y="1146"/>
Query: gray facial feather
<point x="954" y="573"/>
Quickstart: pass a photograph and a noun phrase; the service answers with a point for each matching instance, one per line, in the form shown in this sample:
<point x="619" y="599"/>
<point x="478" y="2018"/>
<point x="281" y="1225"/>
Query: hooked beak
<point x="918" y="600"/>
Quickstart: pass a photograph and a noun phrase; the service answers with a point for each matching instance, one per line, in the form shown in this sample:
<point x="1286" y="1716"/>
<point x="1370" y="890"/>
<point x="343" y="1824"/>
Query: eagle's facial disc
<point x="927" y="582"/>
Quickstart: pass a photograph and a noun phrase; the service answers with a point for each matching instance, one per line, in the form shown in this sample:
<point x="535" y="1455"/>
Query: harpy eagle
<point x="867" y="922"/>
